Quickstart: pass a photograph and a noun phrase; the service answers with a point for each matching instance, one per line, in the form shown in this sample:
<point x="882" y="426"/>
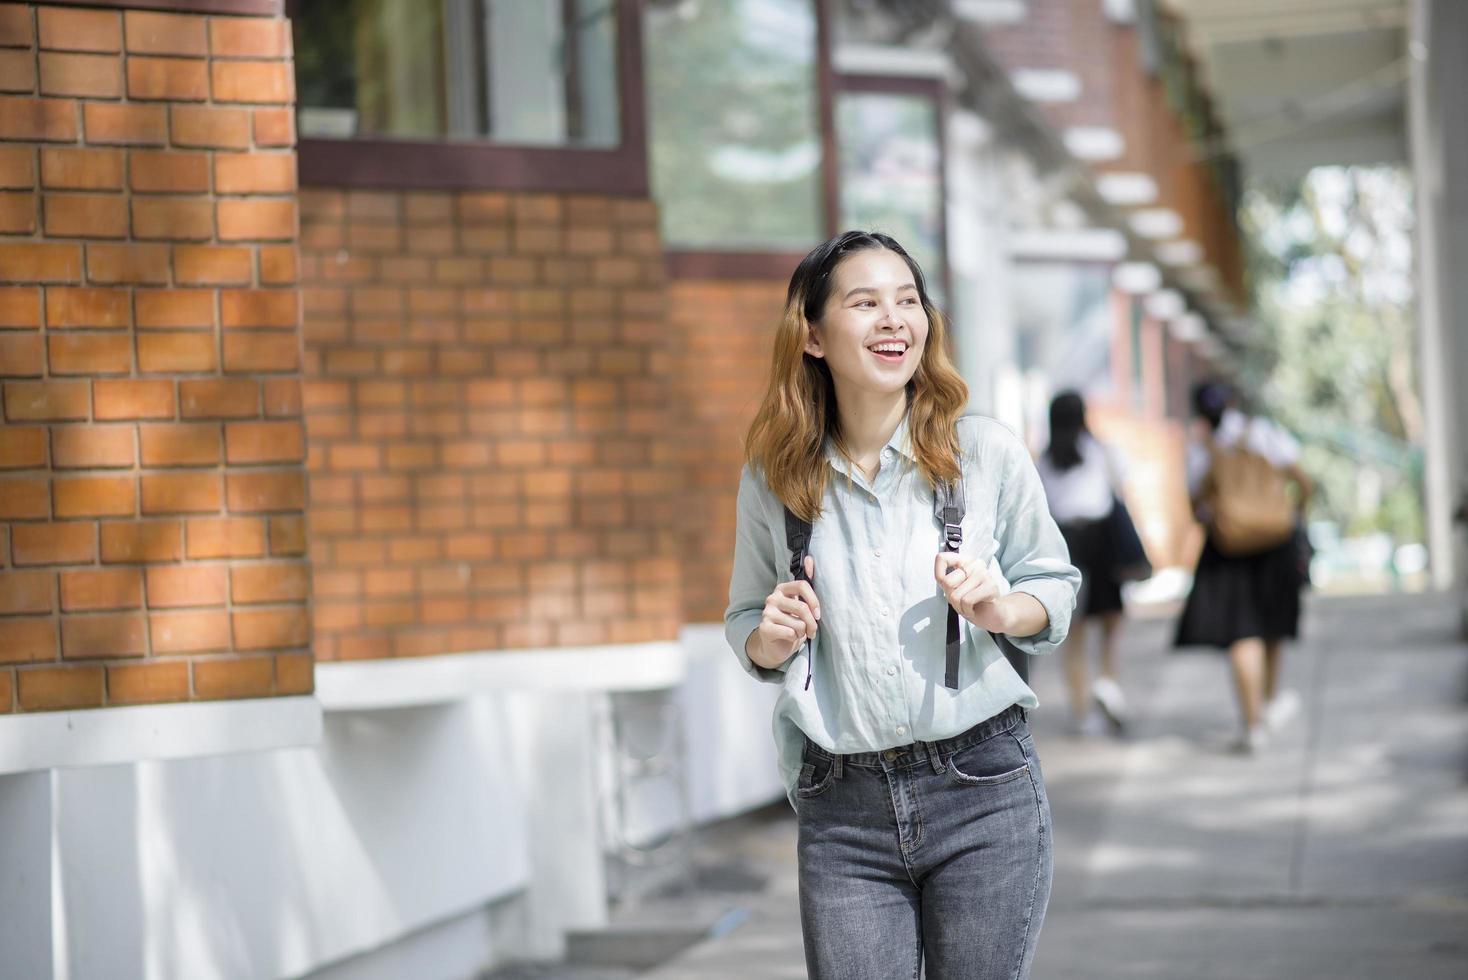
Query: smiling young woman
<point x="924" y="826"/>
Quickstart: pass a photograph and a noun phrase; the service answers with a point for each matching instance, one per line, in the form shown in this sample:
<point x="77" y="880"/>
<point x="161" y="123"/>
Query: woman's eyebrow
<point x="872" y="289"/>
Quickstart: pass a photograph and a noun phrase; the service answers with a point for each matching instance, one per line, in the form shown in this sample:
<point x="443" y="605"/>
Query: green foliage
<point x="1330" y="262"/>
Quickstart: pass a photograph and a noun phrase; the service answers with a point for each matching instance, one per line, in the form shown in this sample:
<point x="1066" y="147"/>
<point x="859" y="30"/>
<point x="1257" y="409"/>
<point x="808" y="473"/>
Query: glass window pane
<point x="525" y="72"/>
<point x="735" y="140"/>
<point x="891" y="175"/>
<point x="1064" y="320"/>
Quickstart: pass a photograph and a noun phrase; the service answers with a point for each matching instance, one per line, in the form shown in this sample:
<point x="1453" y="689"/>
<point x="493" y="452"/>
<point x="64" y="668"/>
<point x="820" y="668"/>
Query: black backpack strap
<point x="797" y="539"/>
<point x="948" y="508"/>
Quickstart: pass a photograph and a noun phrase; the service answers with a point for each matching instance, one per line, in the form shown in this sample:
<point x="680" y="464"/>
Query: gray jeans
<point x="936" y="851"/>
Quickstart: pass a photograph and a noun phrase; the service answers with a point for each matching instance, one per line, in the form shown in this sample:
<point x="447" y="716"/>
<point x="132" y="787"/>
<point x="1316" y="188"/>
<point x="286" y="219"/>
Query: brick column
<point x="152" y="539"/>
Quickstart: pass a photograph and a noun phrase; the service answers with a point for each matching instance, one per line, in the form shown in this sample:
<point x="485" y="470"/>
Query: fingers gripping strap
<point x="948" y="509"/>
<point x="797" y="539"/>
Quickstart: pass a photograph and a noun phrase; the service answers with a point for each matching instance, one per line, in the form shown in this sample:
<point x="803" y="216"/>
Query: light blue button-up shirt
<point x="880" y="645"/>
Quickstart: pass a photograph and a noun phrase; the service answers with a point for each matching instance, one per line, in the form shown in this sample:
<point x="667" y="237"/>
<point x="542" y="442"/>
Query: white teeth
<point x="896" y="348"/>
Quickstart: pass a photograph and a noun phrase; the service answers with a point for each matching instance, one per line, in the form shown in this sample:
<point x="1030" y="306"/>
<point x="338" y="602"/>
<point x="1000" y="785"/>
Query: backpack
<point x="1249" y="502"/>
<point x="948" y="509"/>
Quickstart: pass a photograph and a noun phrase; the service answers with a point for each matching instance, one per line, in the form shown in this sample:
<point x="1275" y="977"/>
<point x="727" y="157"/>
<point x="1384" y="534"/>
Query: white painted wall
<point x="269" y="865"/>
<point x="725" y="718"/>
<point x="25" y="875"/>
<point x="731" y="744"/>
<point x="427" y="841"/>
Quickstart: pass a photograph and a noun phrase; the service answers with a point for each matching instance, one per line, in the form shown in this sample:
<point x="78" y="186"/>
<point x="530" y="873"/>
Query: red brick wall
<point x="487" y="395"/>
<point x="724" y="332"/>
<point x="152" y="488"/>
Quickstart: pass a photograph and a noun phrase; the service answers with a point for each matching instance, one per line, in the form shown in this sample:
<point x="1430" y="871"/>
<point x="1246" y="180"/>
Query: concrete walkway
<point x="1340" y="852"/>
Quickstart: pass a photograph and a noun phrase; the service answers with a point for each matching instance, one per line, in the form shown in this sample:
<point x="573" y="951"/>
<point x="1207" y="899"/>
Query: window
<point x="734" y="119"/>
<point x="1064" y="320"/>
<point x="891" y="173"/>
<point x="540" y="73"/>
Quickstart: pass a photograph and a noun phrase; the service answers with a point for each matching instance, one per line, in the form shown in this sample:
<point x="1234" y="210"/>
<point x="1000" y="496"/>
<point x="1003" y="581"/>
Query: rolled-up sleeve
<point x="1032" y="553"/>
<point x="756" y="572"/>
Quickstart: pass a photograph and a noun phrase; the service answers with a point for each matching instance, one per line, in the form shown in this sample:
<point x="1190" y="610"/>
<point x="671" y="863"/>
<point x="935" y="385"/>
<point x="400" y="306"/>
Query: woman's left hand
<point x="969" y="589"/>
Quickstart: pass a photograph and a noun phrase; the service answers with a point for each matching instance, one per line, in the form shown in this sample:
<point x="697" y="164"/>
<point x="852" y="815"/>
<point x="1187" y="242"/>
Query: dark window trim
<point x="933" y="88"/>
<point x="444" y="164"/>
<point x="267" y="8"/>
<point x="694" y="264"/>
<point x="929" y="88"/>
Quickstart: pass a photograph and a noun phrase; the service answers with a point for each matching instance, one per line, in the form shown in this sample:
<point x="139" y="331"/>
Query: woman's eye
<point x="865" y="304"/>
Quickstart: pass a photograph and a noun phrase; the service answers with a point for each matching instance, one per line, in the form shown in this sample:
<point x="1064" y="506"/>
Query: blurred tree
<point x="1330" y="262"/>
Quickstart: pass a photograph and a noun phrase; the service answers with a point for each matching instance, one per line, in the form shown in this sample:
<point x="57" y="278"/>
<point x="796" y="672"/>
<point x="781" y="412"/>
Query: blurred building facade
<point x="374" y="380"/>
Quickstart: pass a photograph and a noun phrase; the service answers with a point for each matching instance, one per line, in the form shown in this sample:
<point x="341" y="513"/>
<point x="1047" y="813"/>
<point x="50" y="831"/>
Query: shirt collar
<point x="900" y="444"/>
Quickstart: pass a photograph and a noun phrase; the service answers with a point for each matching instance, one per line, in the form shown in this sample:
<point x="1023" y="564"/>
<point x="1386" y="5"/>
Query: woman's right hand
<point x="789" y="619"/>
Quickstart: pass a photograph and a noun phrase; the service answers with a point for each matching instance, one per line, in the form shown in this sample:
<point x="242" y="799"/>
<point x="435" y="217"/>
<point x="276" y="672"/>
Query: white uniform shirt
<point x="1083" y="492"/>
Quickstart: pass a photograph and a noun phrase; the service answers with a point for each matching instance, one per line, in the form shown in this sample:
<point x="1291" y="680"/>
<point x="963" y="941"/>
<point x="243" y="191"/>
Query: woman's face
<point x="873" y="329"/>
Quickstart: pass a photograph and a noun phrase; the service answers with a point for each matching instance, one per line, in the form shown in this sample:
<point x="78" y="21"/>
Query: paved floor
<point x="1341" y="852"/>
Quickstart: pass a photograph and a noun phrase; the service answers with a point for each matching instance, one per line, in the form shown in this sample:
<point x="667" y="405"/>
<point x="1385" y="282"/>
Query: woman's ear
<point x="813" y="340"/>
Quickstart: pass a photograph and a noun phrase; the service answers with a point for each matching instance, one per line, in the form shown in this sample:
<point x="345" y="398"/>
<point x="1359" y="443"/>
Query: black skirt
<point x="1090" y="551"/>
<point x="1239" y="598"/>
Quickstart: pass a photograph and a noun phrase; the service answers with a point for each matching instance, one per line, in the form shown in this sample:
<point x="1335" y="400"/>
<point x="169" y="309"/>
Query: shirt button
<point x="891" y="671"/>
<point x="902" y="729"/>
<point x="883" y="610"/>
<point x="876" y="552"/>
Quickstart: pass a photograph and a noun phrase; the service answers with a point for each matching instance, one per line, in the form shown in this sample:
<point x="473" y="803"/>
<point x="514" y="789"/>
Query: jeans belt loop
<point x="836" y="760"/>
<point x="935" y="758"/>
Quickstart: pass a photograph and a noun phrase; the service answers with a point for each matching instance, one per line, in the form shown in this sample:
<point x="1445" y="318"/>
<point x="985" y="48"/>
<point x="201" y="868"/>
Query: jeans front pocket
<point x="996" y="760"/>
<point x="817" y="773"/>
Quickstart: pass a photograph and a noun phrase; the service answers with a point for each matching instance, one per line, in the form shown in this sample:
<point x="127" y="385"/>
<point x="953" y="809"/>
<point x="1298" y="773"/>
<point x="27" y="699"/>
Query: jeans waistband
<point x="919" y="751"/>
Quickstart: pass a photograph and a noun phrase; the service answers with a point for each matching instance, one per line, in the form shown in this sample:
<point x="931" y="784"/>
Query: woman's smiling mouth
<point x="891" y="351"/>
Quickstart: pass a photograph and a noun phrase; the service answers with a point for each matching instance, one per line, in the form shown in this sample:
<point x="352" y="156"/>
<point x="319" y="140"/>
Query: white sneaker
<point x="1111" y="702"/>
<point x="1281" y="710"/>
<point x="1089" y="727"/>
<point x="1251" y="741"/>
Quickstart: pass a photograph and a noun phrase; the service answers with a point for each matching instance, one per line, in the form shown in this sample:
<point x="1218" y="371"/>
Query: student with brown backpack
<point x="1246" y="590"/>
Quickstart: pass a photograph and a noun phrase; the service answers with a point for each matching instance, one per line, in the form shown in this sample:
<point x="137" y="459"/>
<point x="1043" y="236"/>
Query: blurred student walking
<point x="1246" y="591"/>
<point x="1083" y="485"/>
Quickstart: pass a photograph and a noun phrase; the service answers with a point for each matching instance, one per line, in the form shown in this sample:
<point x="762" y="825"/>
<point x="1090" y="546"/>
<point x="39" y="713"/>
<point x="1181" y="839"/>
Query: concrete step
<point x="644" y="945"/>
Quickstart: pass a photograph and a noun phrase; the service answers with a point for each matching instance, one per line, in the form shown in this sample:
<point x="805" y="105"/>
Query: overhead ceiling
<point x="1303" y="83"/>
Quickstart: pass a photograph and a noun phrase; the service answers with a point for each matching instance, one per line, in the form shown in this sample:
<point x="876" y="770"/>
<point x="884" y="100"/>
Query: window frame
<point x="934" y="89"/>
<point x="445" y="164"/>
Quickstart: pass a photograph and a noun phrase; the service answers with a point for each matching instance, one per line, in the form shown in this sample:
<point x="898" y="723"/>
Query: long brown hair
<point x="798" y="412"/>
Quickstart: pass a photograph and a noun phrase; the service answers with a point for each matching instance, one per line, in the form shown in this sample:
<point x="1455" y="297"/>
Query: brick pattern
<point x="487" y="379"/>
<point x="724" y="331"/>
<point x="152" y="475"/>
